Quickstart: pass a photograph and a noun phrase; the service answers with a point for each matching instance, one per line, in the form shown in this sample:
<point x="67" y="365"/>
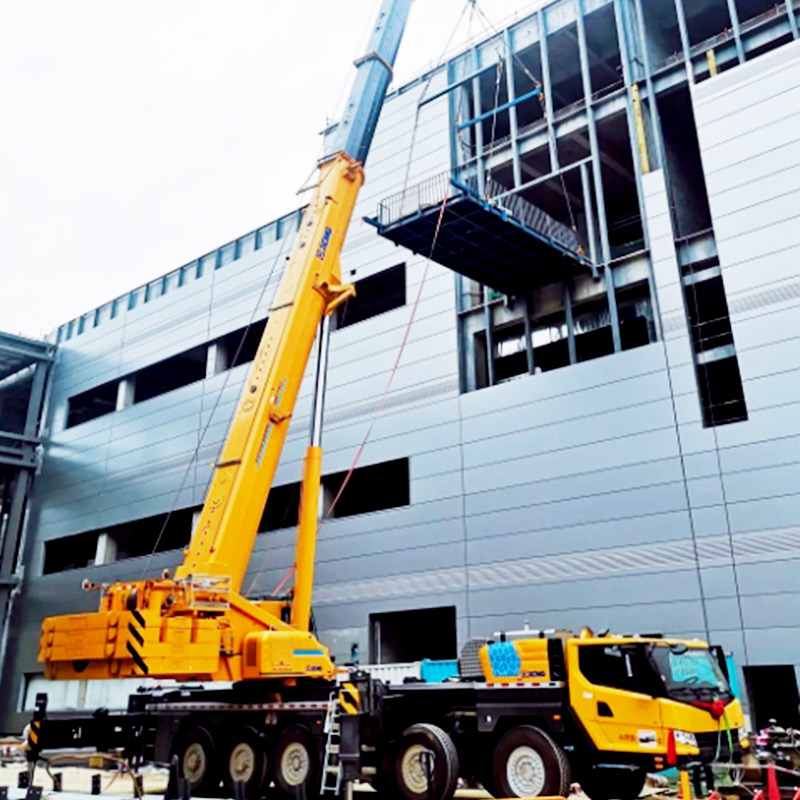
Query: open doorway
<point x="773" y="695"/>
<point x="402" y="636"/>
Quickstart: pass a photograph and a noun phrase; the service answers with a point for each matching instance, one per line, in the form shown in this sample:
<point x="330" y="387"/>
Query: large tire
<point x="618" y="784"/>
<point x="246" y="761"/>
<point x="197" y="760"/>
<point x="422" y="747"/>
<point x="297" y="763"/>
<point x="528" y="763"/>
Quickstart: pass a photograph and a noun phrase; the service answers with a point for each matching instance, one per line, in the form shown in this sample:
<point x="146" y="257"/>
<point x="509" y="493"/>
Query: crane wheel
<point x="197" y="758"/>
<point x="246" y="762"/>
<point x="425" y="764"/>
<point x="297" y="763"/>
<point x="528" y="763"/>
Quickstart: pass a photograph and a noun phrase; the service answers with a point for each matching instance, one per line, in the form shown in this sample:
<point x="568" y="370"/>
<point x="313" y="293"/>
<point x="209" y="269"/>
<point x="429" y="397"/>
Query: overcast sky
<point x="138" y="135"/>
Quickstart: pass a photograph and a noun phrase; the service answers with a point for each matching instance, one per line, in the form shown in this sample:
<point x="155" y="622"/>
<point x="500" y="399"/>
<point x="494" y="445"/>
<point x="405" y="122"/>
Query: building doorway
<point x="402" y="636"/>
<point x="773" y="695"/>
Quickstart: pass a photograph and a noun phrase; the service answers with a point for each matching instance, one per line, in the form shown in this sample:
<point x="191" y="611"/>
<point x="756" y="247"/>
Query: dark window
<point x="635" y="311"/>
<point x="241" y="345"/>
<point x="708" y="314"/>
<point x="550" y="346"/>
<point x="70" y="552"/>
<point x="511" y="358"/>
<point x="616" y="667"/>
<point x="92" y="404"/>
<point x="170" y="374"/>
<point x="372" y="488"/>
<point x="375" y="295"/>
<point x="721" y="392"/>
<point x="138" y="537"/>
<point x="403" y="636"/>
<point x="141" y="537"/>
<point x="282" y="508"/>
<point x="773" y="695"/>
<point x="593" y="336"/>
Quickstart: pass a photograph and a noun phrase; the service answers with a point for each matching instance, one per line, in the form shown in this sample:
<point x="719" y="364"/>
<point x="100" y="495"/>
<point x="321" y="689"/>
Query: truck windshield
<point x="689" y="672"/>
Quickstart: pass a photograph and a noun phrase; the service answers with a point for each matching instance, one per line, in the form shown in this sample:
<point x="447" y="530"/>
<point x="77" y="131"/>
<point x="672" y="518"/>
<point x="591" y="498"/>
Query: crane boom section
<point x="311" y="287"/>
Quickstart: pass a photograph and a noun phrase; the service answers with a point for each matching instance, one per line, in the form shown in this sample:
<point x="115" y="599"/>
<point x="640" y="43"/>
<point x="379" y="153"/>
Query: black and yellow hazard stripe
<point x="34" y="731"/>
<point x="136" y="640"/>
<point x="349" y="698"/>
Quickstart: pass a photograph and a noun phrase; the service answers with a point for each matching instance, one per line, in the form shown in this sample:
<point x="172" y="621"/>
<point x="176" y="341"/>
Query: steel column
<point x="529" y="334"/>
<point x="638" y="157"/>
<point x="512" y="111"/>
<point x="737" y="31"/>
<point x="478" y="139"/>
<point x="573" y="356"/>
<point x="16" y="514"/>
<point x="792" y="18"/>
<point x="488" y="325"/>
<point x="652" y="106"/>
<point x="591" y="233"/>
<point x="548" y="91"/>
<point x="611" y="295"/>
<point x="687" y="46"/>
<point x="593" y="145"/>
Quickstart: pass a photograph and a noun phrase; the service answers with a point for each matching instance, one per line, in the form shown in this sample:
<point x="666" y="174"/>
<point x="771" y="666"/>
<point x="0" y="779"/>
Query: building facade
<point x="611" y="440"/>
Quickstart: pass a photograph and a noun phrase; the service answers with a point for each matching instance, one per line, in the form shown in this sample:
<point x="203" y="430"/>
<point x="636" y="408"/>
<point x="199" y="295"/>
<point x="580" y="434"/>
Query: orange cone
<point x="773" y="792"/>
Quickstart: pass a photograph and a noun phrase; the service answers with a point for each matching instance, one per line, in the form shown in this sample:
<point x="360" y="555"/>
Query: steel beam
<point x="591" y="234"/>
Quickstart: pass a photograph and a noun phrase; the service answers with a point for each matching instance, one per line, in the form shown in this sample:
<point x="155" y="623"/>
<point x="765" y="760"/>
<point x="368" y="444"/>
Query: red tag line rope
<point x="382" y="398"/>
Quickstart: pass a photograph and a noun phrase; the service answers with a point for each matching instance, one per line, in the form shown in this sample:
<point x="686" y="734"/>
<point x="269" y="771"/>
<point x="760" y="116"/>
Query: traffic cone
<point x="713" y="796"/>
<point x="773" y="792"/>
<point x="796" y="795"/>
<point x="759" y="795"/>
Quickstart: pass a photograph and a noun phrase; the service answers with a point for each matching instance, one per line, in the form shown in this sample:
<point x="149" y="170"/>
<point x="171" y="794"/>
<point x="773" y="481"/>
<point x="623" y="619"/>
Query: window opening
<point x="246" y="340"/>
<point x="372" y="488"/>
<point x="92" y="404"/>
<point x="593" y="336"/>
<point x="398" y="637"/>
<point x="375" y="295"/>
<point x="69" y="552"/>
<point x="637" y="326"/>
<point x="718" y="377"/>
<point x="170" y="374"/>
<point x="773" y="695"/>
<point x="281" y="510"/>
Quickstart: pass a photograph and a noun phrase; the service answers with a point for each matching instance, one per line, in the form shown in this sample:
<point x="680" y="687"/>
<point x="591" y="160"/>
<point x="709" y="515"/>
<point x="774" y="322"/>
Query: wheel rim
<point x="525" y="772"/>
<point x="295" y="764"/>
<point x="194" y="763"/>
<point x="242" y="762"/>
<point x="414" y="770"/>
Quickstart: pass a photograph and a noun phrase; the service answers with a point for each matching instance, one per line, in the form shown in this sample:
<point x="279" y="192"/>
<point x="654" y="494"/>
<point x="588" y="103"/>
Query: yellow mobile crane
<point x="196" y="623"/>
<point x="525" y="713"/>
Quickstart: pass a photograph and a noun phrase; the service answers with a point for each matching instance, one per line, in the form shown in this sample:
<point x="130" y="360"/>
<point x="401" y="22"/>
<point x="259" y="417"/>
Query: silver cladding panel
<point x="591" y="495"/>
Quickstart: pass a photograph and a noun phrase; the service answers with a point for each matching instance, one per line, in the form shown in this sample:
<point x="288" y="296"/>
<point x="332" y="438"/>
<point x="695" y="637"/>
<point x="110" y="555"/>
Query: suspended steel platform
<point x="499" y="240"/>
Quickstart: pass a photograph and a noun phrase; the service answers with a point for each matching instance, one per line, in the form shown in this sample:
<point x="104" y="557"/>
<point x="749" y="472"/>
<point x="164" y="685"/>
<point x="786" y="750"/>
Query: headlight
<point x="686" y="738"/>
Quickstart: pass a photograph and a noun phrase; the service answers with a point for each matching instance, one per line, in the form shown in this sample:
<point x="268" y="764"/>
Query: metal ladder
<point x="331" y="768"/>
